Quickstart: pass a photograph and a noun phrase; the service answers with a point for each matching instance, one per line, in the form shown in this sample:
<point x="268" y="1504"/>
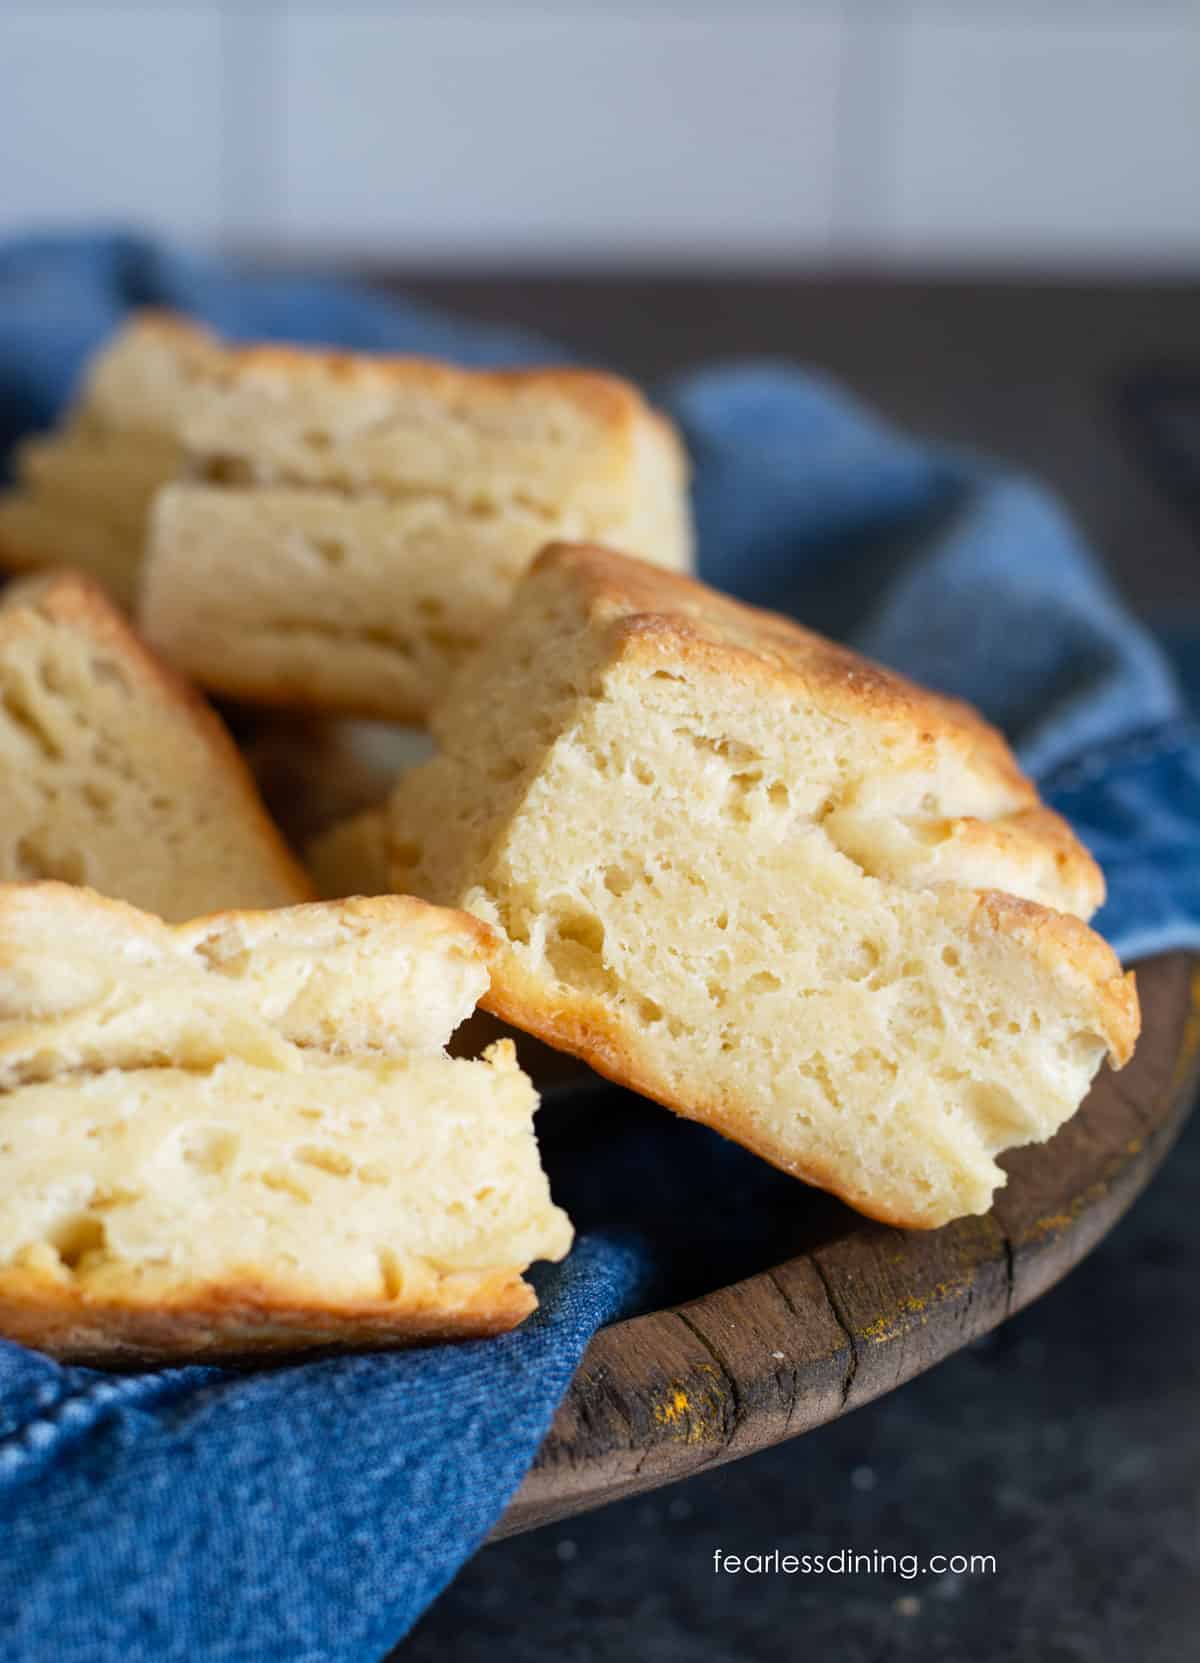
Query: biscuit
<point x="243" y="1134"/>
<point x="115" y="774"/>
<point x="83" y="491"/>
<point x="315" y="772"/>
<point x="763" y="881"/>
<point x="353" y="857"/>
<point x="351" y="527"/>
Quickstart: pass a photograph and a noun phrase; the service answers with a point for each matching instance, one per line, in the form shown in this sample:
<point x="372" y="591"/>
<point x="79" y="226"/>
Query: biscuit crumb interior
<point x="250" y="1124"/>
<point x="720" y="890"/>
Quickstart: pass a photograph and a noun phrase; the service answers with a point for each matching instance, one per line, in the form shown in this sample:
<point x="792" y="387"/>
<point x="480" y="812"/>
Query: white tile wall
<point x="528" y="133"/>
<point x="479" y="131"/>
<point x="1081" y="136"/>
<point x="112" y="113"/>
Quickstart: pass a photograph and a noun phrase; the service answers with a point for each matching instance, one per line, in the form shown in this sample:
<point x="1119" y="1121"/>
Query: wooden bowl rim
<point x="664" y="1394"/>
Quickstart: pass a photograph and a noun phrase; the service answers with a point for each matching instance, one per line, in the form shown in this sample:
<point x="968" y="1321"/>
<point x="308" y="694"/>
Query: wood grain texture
<point x="661" y="1395"/>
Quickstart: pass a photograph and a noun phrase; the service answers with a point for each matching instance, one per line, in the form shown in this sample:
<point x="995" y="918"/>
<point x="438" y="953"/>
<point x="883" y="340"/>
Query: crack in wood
<point x="793" y="1373"/>
<point x="842" y="1321"/>
<point x="597" y="1427"/>
<point x="1010" y="1272"/>
<point x="732" y="1420"/>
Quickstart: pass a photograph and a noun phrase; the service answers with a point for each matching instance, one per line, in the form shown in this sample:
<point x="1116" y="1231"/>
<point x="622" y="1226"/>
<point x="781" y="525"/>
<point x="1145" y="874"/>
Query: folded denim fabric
<point x="310" y="1513"/>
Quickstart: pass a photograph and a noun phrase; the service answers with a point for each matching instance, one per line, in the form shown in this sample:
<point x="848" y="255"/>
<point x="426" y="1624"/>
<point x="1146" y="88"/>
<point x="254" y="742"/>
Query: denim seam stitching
<point x="34" y="1437"/>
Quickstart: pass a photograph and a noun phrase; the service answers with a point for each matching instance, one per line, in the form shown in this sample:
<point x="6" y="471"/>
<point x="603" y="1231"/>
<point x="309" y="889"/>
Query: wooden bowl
<point x="661" y="1395"/>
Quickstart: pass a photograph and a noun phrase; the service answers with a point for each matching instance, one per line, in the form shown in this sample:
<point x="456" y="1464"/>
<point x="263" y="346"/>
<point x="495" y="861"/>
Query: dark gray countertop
<point x="1066" y="1444"/>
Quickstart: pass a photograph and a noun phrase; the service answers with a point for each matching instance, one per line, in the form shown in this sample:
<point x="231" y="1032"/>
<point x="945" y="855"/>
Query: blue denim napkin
<point x="309" y="1513"/>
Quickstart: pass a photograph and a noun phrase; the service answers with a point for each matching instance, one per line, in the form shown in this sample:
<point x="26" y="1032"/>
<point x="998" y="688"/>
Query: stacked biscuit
<point x="352" y="527"/>
<point x="329" y="531"/>
<point x="725" y="862"/>
<point x="115" y="773"/>
<point x="243" y="1134"/>
<point x="83" y="493"/>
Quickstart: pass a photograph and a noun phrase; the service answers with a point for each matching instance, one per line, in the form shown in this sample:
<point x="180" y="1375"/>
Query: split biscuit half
<point x="243" y="1134"/>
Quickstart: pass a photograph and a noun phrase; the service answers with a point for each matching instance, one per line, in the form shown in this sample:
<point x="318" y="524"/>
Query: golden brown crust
<point x="371" y="909"/>
<point x="585" y="1030"/>
<point x="246" y="1317"/>
<point x="1032" y="852"/>
<point x="153" y="327"/>
<point x="19" y="900"/>
<point x="69" y="598"/>
<point x="147" y="359"/>
<point x="1039" y="831"/>
<point x="175" y="328"/>
<point x="606" y="397"/>
<point x="1057" y="940"/>
<point x="665" y="617"/>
